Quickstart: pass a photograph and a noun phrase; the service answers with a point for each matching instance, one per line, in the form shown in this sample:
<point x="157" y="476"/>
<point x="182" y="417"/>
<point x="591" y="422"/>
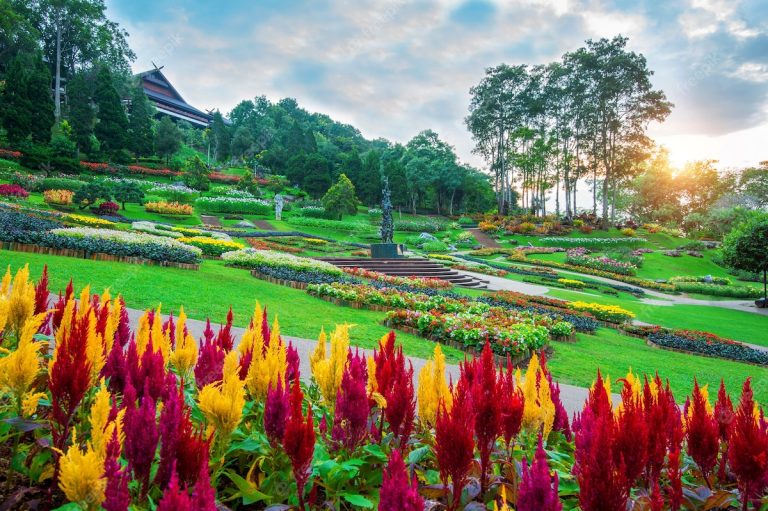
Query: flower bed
<point x="419" y="226"/>
<point x="331" y="224"/>
<point x="416" y="282"/>
<point x="556" y="310"/>
<point x="119" y="243"/>
<point x="8" y="154"/>
<point x="564" y="241"/>
<point x="138" y="169"/>
<point x="169" y="208"/>
<point x="253" y="259"/>
<point x="579" y="257"/>
<point x="234" y="205"/>
<point x="574" y="284"/>
<point x="211" y="246"/>
<point x="218" y="177"/>
<point x="129" y="424"/>
<point x="22" y="228"/>
<point x="88" y="221"/>
<point x="480" y="268"/>
<point x="396" y="298"/>
<point x="610" y="313"/>
<point x="14" y="191"/>
<point x="718" y="290"/>
<point x="704" y="343"/>
<point x="505" y="335"/>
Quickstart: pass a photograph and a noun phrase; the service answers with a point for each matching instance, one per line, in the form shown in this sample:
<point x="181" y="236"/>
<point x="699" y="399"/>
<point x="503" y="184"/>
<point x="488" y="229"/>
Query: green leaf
<point x="69" y="506"/>
<point x="248" y="491"/>
<point x="416" y="455"/>
<point x="357" y="500"/>
<point x="376" y="451"/>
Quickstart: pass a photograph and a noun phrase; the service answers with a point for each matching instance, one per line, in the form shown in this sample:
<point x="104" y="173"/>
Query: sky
<point x="393" y="68"/>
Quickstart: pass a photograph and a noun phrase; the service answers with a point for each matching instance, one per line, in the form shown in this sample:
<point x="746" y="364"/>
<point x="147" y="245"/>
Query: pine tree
<point x="340" y="198"/>
<point x="220" y="137"/>
<point x="369" y="188"/>
<point x="167" y="138"/>
<point x="27" y="107"/>
<point x="140" y="136"/>
<point x="112" y="127"/>
<point x="82" y="115"/>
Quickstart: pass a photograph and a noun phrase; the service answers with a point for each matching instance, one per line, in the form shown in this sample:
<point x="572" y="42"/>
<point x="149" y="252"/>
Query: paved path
<point x="572" y="397"/>
<point x="483" y="238"/>
<point x="502" y="284"/>
<point x="212" y="221"/>
<point x="264" y="225"/>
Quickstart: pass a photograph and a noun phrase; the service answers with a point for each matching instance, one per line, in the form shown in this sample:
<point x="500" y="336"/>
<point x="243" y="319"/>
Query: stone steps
<point x="409" y="267"/>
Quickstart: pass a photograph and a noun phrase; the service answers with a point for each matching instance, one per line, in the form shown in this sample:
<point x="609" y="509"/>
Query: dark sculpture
<point x="387" y="223"/>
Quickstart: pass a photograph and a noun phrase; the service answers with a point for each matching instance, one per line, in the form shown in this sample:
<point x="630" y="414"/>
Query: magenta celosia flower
<point x="292" y="363"/>
<point x="299" y="441"/>
<point x="265" y="331"/>
<point x="748" y="448"/>
<point x="538" y="490"/>
<point x="175" y="497"/>
<point x="204" y="495"/>
<point x="170" y="429"/>
<point x="276" y="410"/>
<point x="141" y="435"/>
<point x="561" y="422"/>
<point x="395" y="383"/>
<point x="123" y="333"/>
<point x="118" y="497"/>
<point x="397" y="492"/>
<point x="350" y="420"/>
<point x="147" y="374"/>
<point x="224" y="338"/>
<point x="512" y="405"/>
<point x="60" y="305"/>
<point x="210" y="363"/>
<point x="724" y="415"/>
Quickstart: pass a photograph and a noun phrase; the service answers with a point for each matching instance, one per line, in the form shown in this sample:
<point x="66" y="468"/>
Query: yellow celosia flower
<point x="184" y="357"/>
<point x="101" y="427"/>
<point x="267" y="366"/>
<point x="504" y="505"/>
<point x="539" y="409"/>
<point x="4" y="307"/>
<point x="222" y="402"/>
<point x="29" y="403"/>
<point x="6" y="284"/>
<point x="328" y="371"/>
<point x="433" y="388"/>
<point x="85" y="302"/>
<point x="21" y="298"/>
<point x="94" y="348"/>
<point x="19" y="369"/>
<point x="81" y="476"/>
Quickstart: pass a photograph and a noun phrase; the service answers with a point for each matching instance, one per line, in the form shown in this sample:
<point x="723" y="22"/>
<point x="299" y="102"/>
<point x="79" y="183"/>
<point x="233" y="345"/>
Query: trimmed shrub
<point x="58" y="197"/>
<point x="435" y="246"/>
<point x="234" y="205"/>
<point x="169" y="208"/>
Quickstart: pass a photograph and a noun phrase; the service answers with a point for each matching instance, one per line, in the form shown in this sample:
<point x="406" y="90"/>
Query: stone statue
<point x="278" y="207"/>
<point x="387" y="223"/>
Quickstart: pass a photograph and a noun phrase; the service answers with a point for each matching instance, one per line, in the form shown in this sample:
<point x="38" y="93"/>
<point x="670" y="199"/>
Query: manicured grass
<point x="659" y="266"/>
<point x="210" y="291"/>
<point x="614" y="354"/>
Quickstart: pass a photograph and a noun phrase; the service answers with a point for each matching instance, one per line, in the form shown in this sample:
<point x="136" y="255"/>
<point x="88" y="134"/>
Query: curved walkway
<point x="502" y="284"/>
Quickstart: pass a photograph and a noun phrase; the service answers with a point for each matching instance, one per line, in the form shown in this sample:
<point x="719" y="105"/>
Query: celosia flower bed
<point x="579" y="257"/>
<point x="556" y="310"/>
<point x="8" y="154"/>
<point x="396" y="298"/>
<point x="96" y="166"/>
<point x="120" y="243"/>
<point x="117" y="417"/>
<point x="14" y="191"/>
<point x="593" y="242"/>
<point x="610" y="313"/>
<point x="251" y="259"/>
<point x="138" y="169"/>
<point x="211" y="246"/>
<point x="234" y="205"/>
<point x="218" y="177"/>
<point x="169" y="208"/>
<point x="416" y="282"/>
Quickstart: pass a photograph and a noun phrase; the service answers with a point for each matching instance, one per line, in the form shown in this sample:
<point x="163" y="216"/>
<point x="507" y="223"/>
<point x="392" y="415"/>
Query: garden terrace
<point x="410" y="267"/>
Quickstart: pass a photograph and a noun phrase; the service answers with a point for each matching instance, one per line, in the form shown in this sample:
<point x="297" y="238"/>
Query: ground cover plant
<point x="221" y="406"/>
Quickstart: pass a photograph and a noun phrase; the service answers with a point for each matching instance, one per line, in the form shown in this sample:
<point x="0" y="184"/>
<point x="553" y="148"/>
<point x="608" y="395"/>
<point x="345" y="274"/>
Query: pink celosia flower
<point x="538" y="490"/>
<point x="397" y="493"/>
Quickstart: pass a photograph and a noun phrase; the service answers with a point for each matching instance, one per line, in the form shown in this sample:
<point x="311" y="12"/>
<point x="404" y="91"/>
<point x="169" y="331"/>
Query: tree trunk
<point x="57" y="92"/>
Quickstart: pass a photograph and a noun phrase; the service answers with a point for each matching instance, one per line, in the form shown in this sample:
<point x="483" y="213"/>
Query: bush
<point x="574" y="284"/>
<point x="250" y="258"/>
<point x="611" y="313"/>
<point x="718" y="290"/>
<point x="435" y="246"/>
<point x="211" y="246"/>
<point x="169" y="208"/>
<point x="419" y="226"/>
<point x="526" y="227"/>
<point x="89" y="221"/>
<point x="57" y="183"/>
<point x="234" y="205"/>
<point x="313" y="212"/>
<point x="465" y="221"/>
<point x="14" y="191"/>
<point x="332" y="224"/>
<point x="561" y="329"/>
<point x="108" y="208"/>
<point x="119" y="243"/>
<point x="58" y="197"/>
<point x="174" y="192"/>
<point x="698" y="246"/>
<point x="629" y="232"/>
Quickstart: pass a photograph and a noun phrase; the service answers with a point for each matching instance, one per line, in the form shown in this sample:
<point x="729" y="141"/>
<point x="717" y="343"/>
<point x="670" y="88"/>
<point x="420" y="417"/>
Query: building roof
<point x="168" y="101"/>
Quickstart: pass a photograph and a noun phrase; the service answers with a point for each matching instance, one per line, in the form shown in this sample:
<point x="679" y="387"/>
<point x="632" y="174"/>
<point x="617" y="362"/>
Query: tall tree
<point x="112" y="126"/>
<point x="219" y="137"/>
<point x="82" y="115"/>
<point x="26" y="107"/>
<point x="16" y="34"/>
<point x="368" y="185"/>
<point x="140" y="136"/>
<point x="340" y="198"/>
<point x="167" y="138"/>
<point x="76" y="34"/>
<point x="242" y="143"/>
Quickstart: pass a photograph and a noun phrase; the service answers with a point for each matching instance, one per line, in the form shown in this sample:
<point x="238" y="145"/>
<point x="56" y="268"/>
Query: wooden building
<point x="168" y="101"/>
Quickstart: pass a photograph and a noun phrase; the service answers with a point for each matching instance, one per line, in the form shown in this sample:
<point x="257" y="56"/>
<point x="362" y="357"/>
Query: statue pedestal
<point x="387" y="250"/>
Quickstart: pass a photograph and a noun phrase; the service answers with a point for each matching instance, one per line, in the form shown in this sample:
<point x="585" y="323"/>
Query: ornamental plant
<point x="89" y="221"/>
<point x="611" y="313"/>
<point x="211" y="246"/>
<point x="169" y="208"/>
<point x="250" y="258"/>
<point x="240" y="205"/>
<point x="58" y="197"/>
<point x="13" y="191"/>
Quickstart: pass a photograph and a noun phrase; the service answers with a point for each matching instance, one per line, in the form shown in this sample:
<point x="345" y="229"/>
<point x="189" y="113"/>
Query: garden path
<point x="264" y="225"/>
<point x="212" y="221"/>
<point x="573" y="397"/>
<point x="483" y="238"/>
<point x="502" y="284"/>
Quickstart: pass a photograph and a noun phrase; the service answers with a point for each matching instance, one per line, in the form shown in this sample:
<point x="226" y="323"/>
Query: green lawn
<point x="614" y="354"/>
<point x="210" y="291"/>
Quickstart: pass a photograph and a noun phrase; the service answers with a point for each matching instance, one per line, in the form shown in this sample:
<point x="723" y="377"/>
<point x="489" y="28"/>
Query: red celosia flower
<point x="192" y="450"/>
<point x="42" y="300"/>
<point x="656" y="500"/>
<point x="123" y="333"/>
<point x="662" y="412"/>
<point x="141" y="435"/>
<point x="631" y="438"/>
<point x="350" y="419"/>
<point x="118" y="498"/>
<point x="292" y="362"/>
<point x="395" y="383"/>
<point x="486" y="400"/>
<point x="299" y="441"/>
<point x="674" y="471"/>
<point x="561" y="422"/>
<point x="538" y="490"/>
<point x="115" y="368"/>
<point x="724" y="416"/>
<point x="69" y="378"/>
<point x="388" y="360"/>
<point x="170" y="425"/>
<point x="748" y="448"/>
<point x="224" y="338"/>
<point x="454" y="443"/>
<point x="511" y="406"/>
<point x="702" y="433"/>
<point x="147" y="374"/>
<point x="602" y="484"/>
<point x="276" y="410"/>
<point x="265" y="331"/>
<point x="397" y="493"/>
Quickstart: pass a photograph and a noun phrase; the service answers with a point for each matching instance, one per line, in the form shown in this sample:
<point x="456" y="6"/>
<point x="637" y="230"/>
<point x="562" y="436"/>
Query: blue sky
<point x="393" y="68"/>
